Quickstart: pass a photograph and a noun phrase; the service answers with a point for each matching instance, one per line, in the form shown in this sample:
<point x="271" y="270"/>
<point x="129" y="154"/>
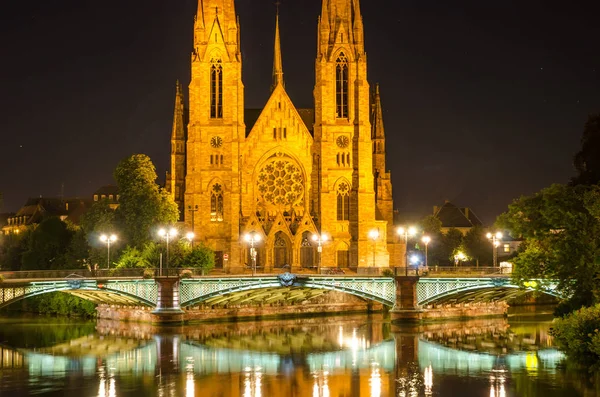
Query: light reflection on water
<point x="349" y="356"/>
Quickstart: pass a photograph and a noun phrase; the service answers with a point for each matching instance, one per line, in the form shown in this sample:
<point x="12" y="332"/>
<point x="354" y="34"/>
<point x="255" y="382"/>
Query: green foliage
<point x="59" y="303"/>
<point x="47" y="247"/>
<point x="562" y="236"/>
<point x="142" y="204"/>
<point x="185" y="273"/>
<point x="436" y="252"/>
<point x="131" y="258"/>
<point x="148" y="273"/>
<point x="200" y="257"/>
<point x="431" y="225"/>
<point x="387" y="273"/>
<point x="1" y="278"/>
<point x="12" y="249"/>
<point x="587" y="160"/>
<point x="78" y="251"/>
<point x="578" y="335"/>
<point x="478" y="247"/>
<point x="452" y="243"/>
<point x="100" y="218"/>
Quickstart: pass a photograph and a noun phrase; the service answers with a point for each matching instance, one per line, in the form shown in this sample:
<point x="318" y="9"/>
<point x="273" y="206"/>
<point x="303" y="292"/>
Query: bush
<point x="187" y="273"/>
<point x="1" y="278"/>
<point x="148" y="273"/>
<point x="201" y="257"/>
<point x="387" y="273"/>
<point x="578" y="335"/>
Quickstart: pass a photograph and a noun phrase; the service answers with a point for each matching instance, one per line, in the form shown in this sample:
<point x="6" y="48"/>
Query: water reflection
<point x="349" y="356"/>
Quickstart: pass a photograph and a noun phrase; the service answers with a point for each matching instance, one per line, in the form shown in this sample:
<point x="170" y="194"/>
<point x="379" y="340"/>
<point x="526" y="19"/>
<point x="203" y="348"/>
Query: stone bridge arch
<point x="445" y="290"/>
<point x="126" y="292"/>
<point x="220" y="290"/>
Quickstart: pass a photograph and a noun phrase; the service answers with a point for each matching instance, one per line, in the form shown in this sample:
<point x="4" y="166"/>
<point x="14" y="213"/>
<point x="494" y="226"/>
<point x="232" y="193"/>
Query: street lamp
<point x="108" y="240"/>
<point x="426" y="240"/>
<point x="167" y="235"/>
<point x="495" y="239"/>
<point x="406" y="232"/>
<point x="374" y="235"/>
<point x="320" y="239"/>
<point x="252" y="238"/>
<point x="190" y="236"/>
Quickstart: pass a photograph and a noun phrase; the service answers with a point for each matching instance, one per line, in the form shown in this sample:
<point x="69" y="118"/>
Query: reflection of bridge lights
<point x="253" y="382"/>
<point x="190" y="387"/>
<point x="428" y="380"/>
<point x="321" y="383"/>
<point x="375" y="380"/>
<point x="409" y="384"/>
<point x="497" y="380"/>
<point x="110" y="382"/>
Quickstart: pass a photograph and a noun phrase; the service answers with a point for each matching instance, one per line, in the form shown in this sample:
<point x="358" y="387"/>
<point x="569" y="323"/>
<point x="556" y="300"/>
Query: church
<point x="288" y="176"/>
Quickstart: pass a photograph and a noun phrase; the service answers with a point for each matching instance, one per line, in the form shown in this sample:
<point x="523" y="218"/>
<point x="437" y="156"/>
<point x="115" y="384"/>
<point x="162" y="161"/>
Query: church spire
<point x="377" y="132"/>
<point x="277" y="62"/>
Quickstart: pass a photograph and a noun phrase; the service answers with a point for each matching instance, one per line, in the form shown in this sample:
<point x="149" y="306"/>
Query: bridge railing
<point x="467" y="271"/>
<point x="246" y="271"/>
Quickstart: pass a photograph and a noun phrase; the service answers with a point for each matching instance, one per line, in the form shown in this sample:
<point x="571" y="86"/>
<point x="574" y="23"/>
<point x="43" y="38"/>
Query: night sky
<point x="483" y="101"/>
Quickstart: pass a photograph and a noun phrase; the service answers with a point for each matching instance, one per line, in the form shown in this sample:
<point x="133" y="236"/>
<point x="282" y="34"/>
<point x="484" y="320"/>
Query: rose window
<point x="280" y="182"/>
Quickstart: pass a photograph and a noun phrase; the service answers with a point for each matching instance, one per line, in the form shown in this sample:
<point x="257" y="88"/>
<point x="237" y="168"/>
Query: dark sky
<point x="483" y="100"/>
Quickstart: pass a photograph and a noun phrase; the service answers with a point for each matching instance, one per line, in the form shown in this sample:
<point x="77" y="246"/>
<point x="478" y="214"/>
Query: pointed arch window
<point x="216" y="203"/>
<point x="343" y="202"/>
<point x="341" y="86"/>
<point x="216" y="89"/>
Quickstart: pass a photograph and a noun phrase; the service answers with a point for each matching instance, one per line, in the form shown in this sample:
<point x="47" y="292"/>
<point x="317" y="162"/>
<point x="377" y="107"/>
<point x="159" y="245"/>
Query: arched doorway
<point x="281" y="250"/>
<point x="307" y="252"/>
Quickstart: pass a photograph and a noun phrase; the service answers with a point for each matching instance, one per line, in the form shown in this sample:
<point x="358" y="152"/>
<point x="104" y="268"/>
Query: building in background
<point x="282" y="172"/>
<point x="453" y="217"/>
<point x="36" y="210"/>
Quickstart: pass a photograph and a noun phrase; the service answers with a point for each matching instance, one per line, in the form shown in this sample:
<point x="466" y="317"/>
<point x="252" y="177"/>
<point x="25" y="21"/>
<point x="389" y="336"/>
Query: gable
<point x="279" y="117"/>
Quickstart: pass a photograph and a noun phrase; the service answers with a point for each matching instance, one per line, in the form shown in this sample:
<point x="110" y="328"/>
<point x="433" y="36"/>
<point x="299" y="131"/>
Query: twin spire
<point x="277" y="62"/>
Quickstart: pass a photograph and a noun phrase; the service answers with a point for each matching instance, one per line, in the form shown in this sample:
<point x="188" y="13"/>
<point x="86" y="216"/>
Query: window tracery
<point x="343" y="202"/>
<point x="281" y="182"/>
<point x="216" y="203"/>
<point x="216" y="89"/>
<point x="341" y="86"/>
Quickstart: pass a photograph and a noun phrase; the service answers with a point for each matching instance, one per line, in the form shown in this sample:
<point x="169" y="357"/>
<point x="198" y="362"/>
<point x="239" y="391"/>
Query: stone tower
<point x="216" y="128"/>
<point x="343" y="135"/>
<point x="176" y="178"/>
<point x="283" y="173"/>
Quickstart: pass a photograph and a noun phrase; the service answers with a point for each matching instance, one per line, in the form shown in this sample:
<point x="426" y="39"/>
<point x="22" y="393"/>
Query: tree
<point x="48" y="245"/>
<point x="477" y="246"/>
<point x="561" y="231"/>
<point x="587" y="160"/>
<point x="200" y="257"/>
<point x="142" y="204"/>
<point x="100" y="218"/>
<point x="451" y="243"/>
<point x="12" y="249"/>
<point x="436" y="254"/>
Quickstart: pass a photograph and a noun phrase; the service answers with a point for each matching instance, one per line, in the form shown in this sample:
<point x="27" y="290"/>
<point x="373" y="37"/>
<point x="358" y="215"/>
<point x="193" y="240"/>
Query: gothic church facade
<point x="282" y="172"/>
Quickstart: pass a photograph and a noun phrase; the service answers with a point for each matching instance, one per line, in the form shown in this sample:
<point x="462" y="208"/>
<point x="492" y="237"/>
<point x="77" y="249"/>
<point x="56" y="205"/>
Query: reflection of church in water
<point x="283" y="172"/>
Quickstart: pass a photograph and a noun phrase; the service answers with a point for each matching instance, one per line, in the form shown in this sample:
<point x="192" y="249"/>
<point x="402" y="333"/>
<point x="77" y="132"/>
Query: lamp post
<point x="374" y="235"/>
<point x="252" y="238"/>
<point x="190" y="236"/>
<point x="406" y="232"/>
<point x="320" y="239"/>
<point x="108" y="240"/>
<point x="167" y="235"/>
<point x="426" y="240"/>
<point x="495" y="238"/>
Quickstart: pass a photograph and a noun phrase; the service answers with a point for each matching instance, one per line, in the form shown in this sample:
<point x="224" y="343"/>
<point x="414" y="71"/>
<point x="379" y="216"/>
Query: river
<point x="351" y="355"/>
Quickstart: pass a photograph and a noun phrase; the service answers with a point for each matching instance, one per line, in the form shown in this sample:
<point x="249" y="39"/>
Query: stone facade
<point x="282" y="172"/>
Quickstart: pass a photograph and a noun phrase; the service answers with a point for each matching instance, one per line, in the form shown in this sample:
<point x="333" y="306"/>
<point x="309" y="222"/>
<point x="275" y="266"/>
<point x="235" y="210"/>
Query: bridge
<point x="406" y="295"/>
